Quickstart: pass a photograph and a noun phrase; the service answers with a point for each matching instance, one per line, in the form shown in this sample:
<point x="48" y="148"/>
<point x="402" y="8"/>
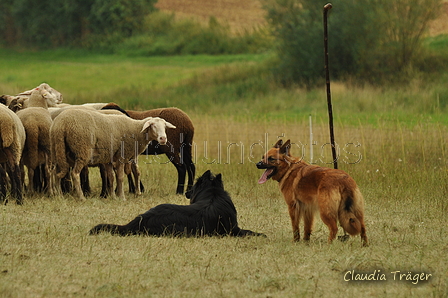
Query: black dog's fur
<point x="211" y="212"/>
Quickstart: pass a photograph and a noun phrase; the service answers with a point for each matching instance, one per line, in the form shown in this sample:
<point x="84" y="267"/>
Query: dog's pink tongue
<point x="264" y="177"/>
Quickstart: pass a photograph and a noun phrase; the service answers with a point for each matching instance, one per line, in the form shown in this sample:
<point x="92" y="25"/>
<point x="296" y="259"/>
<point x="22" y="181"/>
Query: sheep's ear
<point x="169" y="125"/>
<point x="146" y="125"/>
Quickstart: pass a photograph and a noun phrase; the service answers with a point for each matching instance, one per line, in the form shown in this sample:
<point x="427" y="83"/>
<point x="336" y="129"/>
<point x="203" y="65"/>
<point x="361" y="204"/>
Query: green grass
<point x="392" y="142"/>
<point x="90" y="76"/>
<point x="237" y="85"/>
<point x="438" y="43"/>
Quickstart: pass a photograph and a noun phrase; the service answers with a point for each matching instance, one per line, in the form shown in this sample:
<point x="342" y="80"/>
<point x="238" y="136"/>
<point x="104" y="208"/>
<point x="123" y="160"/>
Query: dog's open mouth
<point x="266" y="175"/>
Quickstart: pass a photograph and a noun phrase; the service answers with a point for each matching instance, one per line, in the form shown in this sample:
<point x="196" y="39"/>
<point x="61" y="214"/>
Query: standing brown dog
<point x="310" y="188"/>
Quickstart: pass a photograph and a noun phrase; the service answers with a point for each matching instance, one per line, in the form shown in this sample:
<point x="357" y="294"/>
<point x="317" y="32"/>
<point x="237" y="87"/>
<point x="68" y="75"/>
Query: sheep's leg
<point x="119" y="172"/>
<point x="131" y="183"/>
<point x="66" y="183"/>
<point x="128" y="173"/>
<point x="104" y="181"/>
<point x="187" y="161"/>
<point x="54" y="182"/>
<point x="184" y="165"/>
<point x="46" y="180"/>
<point x="191" y="170"/>
<point x="181" y="171"/>
<point x="137" y="175"/>
<point x="15" y="175"/>
<point x="2" y="185"/>
<point x="38" y="179"/>
<point x="22" y="175"/>
<point x="85" y="181"/>
<point x="109" y="178"/>
<point x="77" y="168"/>
<point x="30" y="180"/>
<point x="16" y="183"/>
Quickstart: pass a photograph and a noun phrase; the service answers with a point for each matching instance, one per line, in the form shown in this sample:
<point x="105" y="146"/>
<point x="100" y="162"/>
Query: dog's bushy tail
<point x="110" y="228"/>
<point x="351" y="210"/>
<point x="132" y="228"/>
<point x="237" y="232"/>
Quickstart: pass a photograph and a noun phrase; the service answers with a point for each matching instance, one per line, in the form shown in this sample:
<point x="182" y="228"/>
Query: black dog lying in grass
<point x="211" y="212"/>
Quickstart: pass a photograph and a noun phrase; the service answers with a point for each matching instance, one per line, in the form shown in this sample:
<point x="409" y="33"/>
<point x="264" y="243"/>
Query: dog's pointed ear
<point x="278" y="144"/>
<point x="285" y="148"/>
<point x="218" y="177"/>
<point x="207" y="174"/>
<point x="218" y="181"/>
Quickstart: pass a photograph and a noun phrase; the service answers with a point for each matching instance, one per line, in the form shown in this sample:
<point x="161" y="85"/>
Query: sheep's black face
<point x="206" y="181"/>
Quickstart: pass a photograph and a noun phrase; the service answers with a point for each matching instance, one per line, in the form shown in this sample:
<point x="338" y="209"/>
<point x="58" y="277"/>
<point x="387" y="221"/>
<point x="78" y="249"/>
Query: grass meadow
<point x="392" y="142"/>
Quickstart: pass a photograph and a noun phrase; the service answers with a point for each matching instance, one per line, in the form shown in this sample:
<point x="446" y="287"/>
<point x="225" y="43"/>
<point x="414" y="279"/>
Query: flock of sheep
<point x="57" y="142"/>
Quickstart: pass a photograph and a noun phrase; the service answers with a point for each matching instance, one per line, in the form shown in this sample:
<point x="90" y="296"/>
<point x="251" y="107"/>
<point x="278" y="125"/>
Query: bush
<point x="372" y="40"/>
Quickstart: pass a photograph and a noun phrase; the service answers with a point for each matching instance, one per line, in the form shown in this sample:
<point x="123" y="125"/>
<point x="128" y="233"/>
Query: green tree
<point x="124" y="17"/>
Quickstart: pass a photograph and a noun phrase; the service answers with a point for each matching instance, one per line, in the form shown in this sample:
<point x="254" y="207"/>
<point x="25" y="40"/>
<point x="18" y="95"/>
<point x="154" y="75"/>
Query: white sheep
<point x="37" y="121"/>
<point x="53" y="97"/>
<point x="80" y="137"/>
<point x="55" y="111"/>
<point x="66" y="185"/>
<point x="12" y="138"/>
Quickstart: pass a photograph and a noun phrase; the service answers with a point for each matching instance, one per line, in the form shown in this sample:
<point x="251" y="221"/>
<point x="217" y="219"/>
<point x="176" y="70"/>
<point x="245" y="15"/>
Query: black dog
<point x="211" y="212"/>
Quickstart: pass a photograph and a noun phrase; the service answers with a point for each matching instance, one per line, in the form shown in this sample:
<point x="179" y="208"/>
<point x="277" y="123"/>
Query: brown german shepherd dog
<point x="310" y="188"/>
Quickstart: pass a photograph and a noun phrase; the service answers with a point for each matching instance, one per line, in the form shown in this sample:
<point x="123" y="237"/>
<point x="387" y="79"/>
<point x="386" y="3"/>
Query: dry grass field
<point x="45" y="249"/>
<point x="440" y="25"/>
<point x="239" y="15"/>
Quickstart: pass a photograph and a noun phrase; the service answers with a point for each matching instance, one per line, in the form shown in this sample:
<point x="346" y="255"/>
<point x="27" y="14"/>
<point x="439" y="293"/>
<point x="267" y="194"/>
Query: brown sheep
<point x="180" y="141"/>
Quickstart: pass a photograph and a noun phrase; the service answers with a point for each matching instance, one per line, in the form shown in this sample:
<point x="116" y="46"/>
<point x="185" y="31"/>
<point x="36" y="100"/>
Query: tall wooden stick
<point x="327" y="7"/>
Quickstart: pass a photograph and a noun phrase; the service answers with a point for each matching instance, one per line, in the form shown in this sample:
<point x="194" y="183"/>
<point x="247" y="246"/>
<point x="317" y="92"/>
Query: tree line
<point x="54" y="23"/>
<point x="374" y="41"/>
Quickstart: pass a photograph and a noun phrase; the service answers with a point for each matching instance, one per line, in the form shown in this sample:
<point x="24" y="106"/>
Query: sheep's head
<point x="16" y="104"/>
<point x="6" y="99"/>
<point x="156" y="129"/>
<point x="40" y="96"/>
<point x="52" y="96"/>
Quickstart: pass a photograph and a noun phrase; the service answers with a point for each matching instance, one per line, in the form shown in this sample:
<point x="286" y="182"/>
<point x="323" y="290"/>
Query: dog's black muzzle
<point x="261" y="165"/>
